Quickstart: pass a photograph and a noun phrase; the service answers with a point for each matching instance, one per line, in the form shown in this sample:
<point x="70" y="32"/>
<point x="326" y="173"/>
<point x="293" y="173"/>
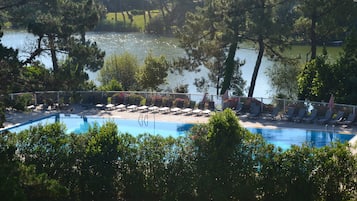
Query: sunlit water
<point x="140" y="44"/>
<point x="284" y="137"/>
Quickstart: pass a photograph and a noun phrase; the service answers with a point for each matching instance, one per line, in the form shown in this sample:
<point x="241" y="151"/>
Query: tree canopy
<point x="121" y="68"/>
<point x="56" y="23"/>
<point x="213" y="33"/>
<point x="210" y="32"/>
<point x="153" y="73"/>
<point x="9" y="75"/>
<point x="321" y="21"/>
<point x="320" y="78"/>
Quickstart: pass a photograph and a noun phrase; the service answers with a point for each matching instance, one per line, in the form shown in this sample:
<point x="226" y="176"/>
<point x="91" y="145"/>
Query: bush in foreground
<point x="219" y="160"/>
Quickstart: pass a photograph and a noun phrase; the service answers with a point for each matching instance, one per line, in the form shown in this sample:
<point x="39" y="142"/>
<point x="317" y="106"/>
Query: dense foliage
<point x="211" y="32"/>
<point x="9" y="75"/>
<point x="121" y="68"/>
<point x="321" y="78"/>
<point x="60" y="27"/>
<point x="153" y="73"/>
<point x="219" y="160"/>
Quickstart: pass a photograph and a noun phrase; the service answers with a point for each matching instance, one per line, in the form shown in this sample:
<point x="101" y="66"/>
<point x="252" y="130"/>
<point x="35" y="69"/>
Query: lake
<point x="139" y="44"/>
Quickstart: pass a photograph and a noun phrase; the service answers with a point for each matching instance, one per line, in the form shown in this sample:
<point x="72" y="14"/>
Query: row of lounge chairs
<point x="301" y="115"/>
<point x="164" y="109"/>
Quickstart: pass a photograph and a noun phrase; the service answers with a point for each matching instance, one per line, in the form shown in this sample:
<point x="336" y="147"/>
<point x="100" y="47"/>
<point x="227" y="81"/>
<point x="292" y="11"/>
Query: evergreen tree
<point x="55" y="23"/>
<point x="153" y="73"/>
<point x="10" y="70"/>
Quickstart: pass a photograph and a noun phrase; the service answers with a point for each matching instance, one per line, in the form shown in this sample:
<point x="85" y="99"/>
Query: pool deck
<point x="14" y="118"/>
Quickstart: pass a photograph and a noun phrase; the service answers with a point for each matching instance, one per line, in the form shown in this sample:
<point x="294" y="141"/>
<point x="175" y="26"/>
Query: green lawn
<point x="303" y="51"/>
<point x="138" y="19"/>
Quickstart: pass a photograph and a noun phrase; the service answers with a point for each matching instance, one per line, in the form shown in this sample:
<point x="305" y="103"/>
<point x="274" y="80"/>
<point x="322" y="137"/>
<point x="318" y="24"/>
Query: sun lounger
<point x="178" y="108"/>
<point x="289" y="114"/>
<point x="132" y="107"/>
<point x="153" y="109"/>
<point x="31" y="107"/>
<point x="239" y="108"/>
<point x="350" y="119"/>
<point x="142" y="108"/>
<point x="175" y="110"/>
<point x="200" y="108"/>
<point x="254" y="111"/>
<point x="273" y="115"/>
<point x="300" y="115"/>
<point x="109" y="106"/>
<point x="206" y="112"/>
<point x="120" y="107"/>
<point x="164" y="110"/>
<point x="187" y="111"/>
<point x="326" y="118"/>
<point x="99" y="106"/>
<point x="197" y="112"/>
<point x="337" y="118"/>
<point x="211" y="106"/>
<point x="311" y="117"/>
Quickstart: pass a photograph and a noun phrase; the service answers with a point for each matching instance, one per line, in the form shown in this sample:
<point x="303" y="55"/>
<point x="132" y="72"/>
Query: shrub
<point x="20" y="102"/>
<point x="135" y="99"/>
<point x="119" y="98"/>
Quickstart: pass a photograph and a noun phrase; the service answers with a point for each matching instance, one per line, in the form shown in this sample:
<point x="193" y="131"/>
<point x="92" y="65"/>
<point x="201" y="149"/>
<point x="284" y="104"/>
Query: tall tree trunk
<point x="115" y="17"/>
<point x="218" y="76"/>
<point x="257" y="66"/>
<point x="124" y="19"/>
<point x="83" y="37"/>
<point x="144" y="19"/>
<point x="163" y="16"/>
<point x="130" y="16"/>
<point x="36" y="53"/>
<point x="51" y="42"/>
<point x="149" y="14"/>
<point x="313" y="35"/>
<point x="229" y="66"/>
<point x="165" y="6"/>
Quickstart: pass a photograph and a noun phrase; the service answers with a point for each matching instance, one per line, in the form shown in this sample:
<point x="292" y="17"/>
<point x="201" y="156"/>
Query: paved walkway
<point x="14" y="118"/>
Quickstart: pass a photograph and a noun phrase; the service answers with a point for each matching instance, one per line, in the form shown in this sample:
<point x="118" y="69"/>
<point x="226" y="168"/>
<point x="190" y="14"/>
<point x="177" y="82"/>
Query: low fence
<point x="91" y="98"/>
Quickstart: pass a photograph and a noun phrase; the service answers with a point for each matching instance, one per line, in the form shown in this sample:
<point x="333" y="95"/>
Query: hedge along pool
<point x="284" y="137"/>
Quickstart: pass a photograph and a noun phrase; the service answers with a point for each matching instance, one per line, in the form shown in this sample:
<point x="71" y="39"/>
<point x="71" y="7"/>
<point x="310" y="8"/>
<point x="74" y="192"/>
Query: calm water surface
<point x="140" y="44"/>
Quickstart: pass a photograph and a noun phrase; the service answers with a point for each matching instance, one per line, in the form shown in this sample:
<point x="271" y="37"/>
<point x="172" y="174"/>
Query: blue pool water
<point x="285" y="137"/>
<point x="280" y="137"/>
<point x="77" y="124"/>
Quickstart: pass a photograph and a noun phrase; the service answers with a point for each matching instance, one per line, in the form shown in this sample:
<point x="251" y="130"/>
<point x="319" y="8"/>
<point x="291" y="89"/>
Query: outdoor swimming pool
<point x="77" y="124"/>
<point x="284" y="137"/>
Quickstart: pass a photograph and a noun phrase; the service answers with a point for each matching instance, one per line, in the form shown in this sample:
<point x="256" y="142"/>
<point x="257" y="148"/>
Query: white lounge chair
<point x="176" y="110"/>
<point x="99" y="106"/>
<point x="164" y="110"/>
<point x="109" y="106"/>
<point x="153" y="109"/>
<point x="143" y="108"/>
<point x="132" y="107"/>
<point x="206" y="112"/>
<point x="120" y="107"/>
<point x="197" y="112"/>
<point x="187" y="111"/>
